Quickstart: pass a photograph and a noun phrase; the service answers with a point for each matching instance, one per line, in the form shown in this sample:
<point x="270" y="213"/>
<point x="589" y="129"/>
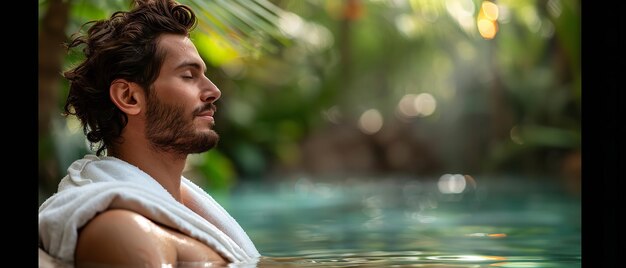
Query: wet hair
<point x="123" y="46"/>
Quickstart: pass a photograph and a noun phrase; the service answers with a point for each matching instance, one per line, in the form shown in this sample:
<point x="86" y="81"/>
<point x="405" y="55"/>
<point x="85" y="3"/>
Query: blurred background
<point x="327" y="89"/>
<point x="373" y="132"/>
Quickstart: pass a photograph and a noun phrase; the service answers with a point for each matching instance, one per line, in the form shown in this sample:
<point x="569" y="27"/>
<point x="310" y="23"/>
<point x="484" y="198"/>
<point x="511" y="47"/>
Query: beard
<point x="170" y="129"/>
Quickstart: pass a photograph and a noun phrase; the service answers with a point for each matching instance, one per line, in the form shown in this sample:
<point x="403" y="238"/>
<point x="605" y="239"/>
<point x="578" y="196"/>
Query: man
<point x="143" y="98"/>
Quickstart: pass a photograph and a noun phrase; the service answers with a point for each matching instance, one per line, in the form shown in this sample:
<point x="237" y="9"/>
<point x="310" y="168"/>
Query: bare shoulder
<point x="124" y="238"/>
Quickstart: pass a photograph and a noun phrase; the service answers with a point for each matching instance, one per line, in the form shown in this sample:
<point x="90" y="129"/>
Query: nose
<point x="210" y="92"/>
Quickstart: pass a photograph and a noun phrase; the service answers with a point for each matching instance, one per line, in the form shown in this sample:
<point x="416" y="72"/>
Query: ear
<point x="127" y="96"/>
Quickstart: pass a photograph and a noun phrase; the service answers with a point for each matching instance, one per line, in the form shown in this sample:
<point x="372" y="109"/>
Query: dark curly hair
<point x="123" y="46"/>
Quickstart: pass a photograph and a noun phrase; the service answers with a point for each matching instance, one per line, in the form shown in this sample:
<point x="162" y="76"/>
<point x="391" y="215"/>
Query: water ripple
<point x="333" y="258"/>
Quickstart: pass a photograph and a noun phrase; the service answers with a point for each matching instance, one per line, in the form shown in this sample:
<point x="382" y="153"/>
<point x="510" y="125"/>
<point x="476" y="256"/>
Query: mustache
<point x="207" y="107"/>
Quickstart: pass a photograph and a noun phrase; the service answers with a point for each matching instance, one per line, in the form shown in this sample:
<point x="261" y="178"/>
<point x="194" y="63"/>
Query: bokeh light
<point x="487" y="20"/>
<point x="412" y="105"/>
<point x="371" y="121"/>
<point x="425" y="104"/>
<point x="490" y="10"/>
<point x="451" y="184"/>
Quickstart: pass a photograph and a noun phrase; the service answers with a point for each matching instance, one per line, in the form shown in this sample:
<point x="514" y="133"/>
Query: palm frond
<point x="247" y="25"/>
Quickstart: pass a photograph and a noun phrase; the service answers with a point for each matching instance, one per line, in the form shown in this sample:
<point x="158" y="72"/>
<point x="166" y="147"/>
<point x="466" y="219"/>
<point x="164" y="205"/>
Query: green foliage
<point x="83" y="11"/>
<point x="284" y="65"/>
<point x="217" y="170"/>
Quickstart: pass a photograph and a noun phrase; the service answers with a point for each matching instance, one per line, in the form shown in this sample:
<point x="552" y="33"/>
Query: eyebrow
<point x="195" y="65"/>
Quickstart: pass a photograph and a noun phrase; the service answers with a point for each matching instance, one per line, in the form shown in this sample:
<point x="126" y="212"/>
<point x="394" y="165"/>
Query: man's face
<point x="179" y="116"/>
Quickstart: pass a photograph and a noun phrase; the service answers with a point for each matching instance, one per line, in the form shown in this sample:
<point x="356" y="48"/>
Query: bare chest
<point x="187" y="249"/>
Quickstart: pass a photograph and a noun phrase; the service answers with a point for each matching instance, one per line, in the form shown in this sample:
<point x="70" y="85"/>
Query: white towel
<point x="95" y="184"/>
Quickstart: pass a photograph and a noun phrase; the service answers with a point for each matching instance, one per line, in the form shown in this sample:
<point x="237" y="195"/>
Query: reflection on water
<point x="410" y="223"/>
<point x="452" y="221"/>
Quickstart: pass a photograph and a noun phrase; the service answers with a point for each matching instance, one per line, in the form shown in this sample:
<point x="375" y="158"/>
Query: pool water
<point x="384" y="222"/>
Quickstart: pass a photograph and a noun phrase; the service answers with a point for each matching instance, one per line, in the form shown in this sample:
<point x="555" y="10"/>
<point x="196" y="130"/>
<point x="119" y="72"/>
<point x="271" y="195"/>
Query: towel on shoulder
<point x="94" y="184"/>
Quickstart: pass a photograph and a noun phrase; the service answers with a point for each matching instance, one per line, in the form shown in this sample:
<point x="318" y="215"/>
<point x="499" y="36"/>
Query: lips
<point x="207" y="110"/>
<point x="208" y="113"/>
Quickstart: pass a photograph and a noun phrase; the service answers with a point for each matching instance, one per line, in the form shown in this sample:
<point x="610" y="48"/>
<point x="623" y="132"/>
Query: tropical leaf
<point x="249" y="26"/>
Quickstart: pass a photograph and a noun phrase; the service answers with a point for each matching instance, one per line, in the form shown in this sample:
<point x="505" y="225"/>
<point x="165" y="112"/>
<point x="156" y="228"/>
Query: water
<point x="461" y="222"/>
<point x="409" y="223"/>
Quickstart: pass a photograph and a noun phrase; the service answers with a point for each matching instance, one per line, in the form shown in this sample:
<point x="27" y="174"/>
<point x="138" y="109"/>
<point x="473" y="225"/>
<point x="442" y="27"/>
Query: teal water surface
<point x="383" y="222"/>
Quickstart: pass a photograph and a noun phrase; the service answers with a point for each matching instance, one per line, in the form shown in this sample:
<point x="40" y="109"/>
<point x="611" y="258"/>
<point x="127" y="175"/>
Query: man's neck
<point x="164" y="167"/>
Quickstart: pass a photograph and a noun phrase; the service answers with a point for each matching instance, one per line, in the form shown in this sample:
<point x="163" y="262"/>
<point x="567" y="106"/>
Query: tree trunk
<point x="51" y="52"/>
